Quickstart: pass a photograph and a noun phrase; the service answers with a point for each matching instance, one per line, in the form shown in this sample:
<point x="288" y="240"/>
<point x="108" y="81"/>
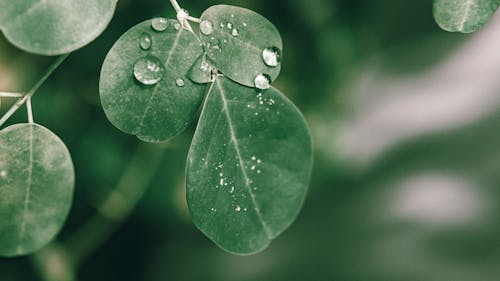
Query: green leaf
<point x="464" y="16"/>
<point x="165" y="108"/>
<point x="54" y="27"/>
<point x="248" y="167"/>
<point x="237" y="41"/>
<point x="36" y="188"/>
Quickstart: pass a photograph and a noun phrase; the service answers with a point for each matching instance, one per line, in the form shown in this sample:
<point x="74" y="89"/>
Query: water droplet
<point x="237" y="209"/>
<point x="149" y="70"/>
<point x="182" y="15"/>
<point x="177" y="26"/>
<point x="245" y="24"/>
<point x="232" y="189"/>
<point x="3" y="174"/>
<point x="244" y="209"/>
<point x="229" y="25"/>
<point x="254" y="158"/>
<point x="263" y="81"/>
<point x="271" y="56"/>
<point x="213" y="209"/>
<point x="159" y="24"/>
<point x="180" y="82"/>
<point x="146" y="41"/>
<point x="235" y="32"/>
<point x="221" y="25"/>
<point x="206" y="27"/>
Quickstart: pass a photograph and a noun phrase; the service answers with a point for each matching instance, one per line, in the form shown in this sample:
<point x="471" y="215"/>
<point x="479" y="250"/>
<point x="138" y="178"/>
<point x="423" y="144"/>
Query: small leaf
<point x="237" y="40"/>
<point x="54" y="27"/>
<point x="248" y="167"/>
<point x="464" y="16"/>
<point x="202" y="70"/>
<point x="36" y="188"/>
<point x="166" y="101"/>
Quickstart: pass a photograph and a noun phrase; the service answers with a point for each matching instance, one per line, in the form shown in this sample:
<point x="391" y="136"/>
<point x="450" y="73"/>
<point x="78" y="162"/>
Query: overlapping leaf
<point x="248" y="167"/>
<point x="236" y="39"/>
<point x="159" y="108"/>
<point x="53" y="27"/>
<point x="36" y="188"/>
<point x="464" y="16"/>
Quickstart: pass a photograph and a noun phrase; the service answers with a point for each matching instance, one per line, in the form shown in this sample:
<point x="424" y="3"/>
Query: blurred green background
<point x="405" y="121"/>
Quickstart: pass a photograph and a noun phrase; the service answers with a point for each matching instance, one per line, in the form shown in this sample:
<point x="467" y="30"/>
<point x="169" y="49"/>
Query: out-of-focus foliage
<point x="405" y="126"/>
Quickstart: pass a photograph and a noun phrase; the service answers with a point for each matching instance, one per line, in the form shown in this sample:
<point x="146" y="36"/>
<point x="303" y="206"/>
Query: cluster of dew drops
<point x="270" y="55"/>
<point x="149" y="70"/>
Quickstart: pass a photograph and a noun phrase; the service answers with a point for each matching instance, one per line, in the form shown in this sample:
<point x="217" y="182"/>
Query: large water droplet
<point x="177" y="25"/>
<point x="235" y="32"/>
<point x="262" y="81"/>
<point x="159" y="24"/>
<point x="145" y="41"/>
<point x="180" y="82"/>
<point x="148" y="70"/>
<point x="206" y="27"/>
<point x="271" y="56"/>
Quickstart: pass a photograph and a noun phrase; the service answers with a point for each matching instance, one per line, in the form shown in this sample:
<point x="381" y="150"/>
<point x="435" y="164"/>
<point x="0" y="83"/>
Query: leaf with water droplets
<point x="53" y="27"/>
<point x="248" y="167"/>
<point x="144" y="91"/>
<point x="36" y="188"/>
<point x="464" y="16"/>
<point x="236" y="39"/>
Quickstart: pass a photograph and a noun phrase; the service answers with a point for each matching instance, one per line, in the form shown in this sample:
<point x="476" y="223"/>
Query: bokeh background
<point x="406" y="126"/>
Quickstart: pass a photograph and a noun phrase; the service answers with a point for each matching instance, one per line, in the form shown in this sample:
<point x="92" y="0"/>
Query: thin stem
<point x="33" y="90"/>
<point x="180" y="16"/>
<point x="193" y="19"/>
<point x="10" y="95"/>
<point x="29" y="110"/>
<point x="176" y="5"/>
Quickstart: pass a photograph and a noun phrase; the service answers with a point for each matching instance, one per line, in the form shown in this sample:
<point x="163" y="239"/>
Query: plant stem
<point x="178" y="10"/>
<point x="10" y="95"/>
<point x="33" y="90"/>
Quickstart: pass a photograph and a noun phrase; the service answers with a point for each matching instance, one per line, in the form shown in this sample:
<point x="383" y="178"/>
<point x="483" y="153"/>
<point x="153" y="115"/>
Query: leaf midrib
<point x="27" y="195"/>
<point x="468" y="4"/>
<point x="234" y="140"/>
<point x="153" y="94"/>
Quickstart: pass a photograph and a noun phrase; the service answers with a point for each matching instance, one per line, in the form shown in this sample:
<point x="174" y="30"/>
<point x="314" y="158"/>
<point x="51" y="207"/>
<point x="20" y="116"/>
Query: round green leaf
<point x="36" y="188"/>
<point x="54" y="27"/>
<point x="237" y="41"/>
<point x="162" y="109"/>
<point x="248" y="167"/>
<point x="464" y="16"/>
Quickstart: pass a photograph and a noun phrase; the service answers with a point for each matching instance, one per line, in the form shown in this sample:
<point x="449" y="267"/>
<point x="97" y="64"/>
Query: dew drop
<point x="159" y="24"/>
<point x="206" y="27"/>
<point x="271" y="56"/>
<point x="237" y="209"/>
<point x="146" y="41"/>
<point x="263" y="81"/>
<point x="3" y="174"/>
<point x="229" y="25"/>
<point x="235" y="32"/>
<point x="148" y="70"/>
<point x="180" y="82"/>
<point x="177" y="26"/>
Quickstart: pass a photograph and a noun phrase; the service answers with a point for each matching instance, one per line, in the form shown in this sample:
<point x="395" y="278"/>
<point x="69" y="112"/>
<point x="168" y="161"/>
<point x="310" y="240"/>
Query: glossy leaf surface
<point x="162" y="108"/>
<point x="248" y="167"/>
<point x="53" y="27"/>
<point x="237" y="42"/>
<point x="36" y="188"/>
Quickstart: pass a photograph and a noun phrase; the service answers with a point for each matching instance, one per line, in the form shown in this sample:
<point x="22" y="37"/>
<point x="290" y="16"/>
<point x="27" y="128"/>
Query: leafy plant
<point x="250" y="160"/>
<point x="464" y="16"/>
